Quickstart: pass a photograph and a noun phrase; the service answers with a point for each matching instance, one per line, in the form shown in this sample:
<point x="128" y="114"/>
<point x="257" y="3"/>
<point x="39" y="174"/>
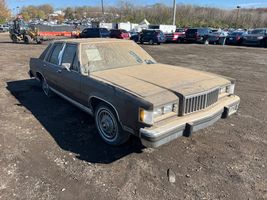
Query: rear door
<point x="50" y="66"/>
<point x="69" y="80"/>
<point x="191" y="33"/>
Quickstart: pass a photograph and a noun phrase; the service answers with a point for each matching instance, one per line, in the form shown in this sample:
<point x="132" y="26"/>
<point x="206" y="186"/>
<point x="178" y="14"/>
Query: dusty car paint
<point x="129" y="88"/>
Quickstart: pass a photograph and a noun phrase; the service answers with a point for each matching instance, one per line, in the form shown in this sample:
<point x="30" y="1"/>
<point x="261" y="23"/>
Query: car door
<point x="50" y="65"/>
<point x="69" y="76"/>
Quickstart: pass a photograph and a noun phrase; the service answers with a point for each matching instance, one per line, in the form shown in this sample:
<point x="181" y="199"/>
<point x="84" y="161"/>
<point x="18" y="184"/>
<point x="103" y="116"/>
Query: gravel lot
<point x="50" y="150"/>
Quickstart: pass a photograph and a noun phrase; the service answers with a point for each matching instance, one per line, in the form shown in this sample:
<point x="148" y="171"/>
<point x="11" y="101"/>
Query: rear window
<point x="236" y="33"/>
<point x="104" y="30"/>
<point x="191" y="31"/>
<point x="55" y="53"/>
<point x="259" y="31"/>
<point x="42" y="56"/>
<point x="148" y="32"/>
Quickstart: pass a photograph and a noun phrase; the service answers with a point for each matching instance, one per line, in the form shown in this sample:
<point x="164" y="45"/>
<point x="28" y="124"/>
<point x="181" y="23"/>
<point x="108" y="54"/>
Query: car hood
<point x="160" y="83"/>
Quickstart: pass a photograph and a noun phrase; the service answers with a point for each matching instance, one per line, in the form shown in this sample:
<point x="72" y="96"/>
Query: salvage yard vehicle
<point x="94" y="33"/>
<point x="22" y="32"/>
<point x="119" y="33"/>
<point x="177" y="36"/>
<point x="198" y="35"/>
<point x="152" y="36"/>
<point x="218" y="37"/>
<point x="257" y="37"/>
<point x="235" y="38"/>
<point x="128" y="92"/>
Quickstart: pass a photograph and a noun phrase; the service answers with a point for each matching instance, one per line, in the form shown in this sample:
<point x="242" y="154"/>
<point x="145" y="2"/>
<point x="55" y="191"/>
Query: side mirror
<point x="66" y="66"/>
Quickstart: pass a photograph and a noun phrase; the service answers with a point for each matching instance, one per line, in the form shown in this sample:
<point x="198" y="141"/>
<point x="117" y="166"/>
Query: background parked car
<point x="257" y="37"/>
<point x="235" y="38"/>
<point x="4" y="28"/>
<point x="135" y="36"/>
<point x="94" y="33"/>
<point x="199" y="35"/>
<point x="177" y="36"/>
<point x="217" y="37"/>
<point x="152" y="36"/>
<point x="119" y="33"/>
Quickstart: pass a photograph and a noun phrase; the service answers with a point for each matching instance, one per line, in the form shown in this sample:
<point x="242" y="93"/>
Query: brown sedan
<point x="128" y="92"/>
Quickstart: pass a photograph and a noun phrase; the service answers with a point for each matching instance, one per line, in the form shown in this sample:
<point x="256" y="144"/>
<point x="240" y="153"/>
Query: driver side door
<point x="69" y="76"/>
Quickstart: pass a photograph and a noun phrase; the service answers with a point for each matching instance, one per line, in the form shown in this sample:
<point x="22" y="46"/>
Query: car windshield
<point x="236" y="33"/>
<point x="258" y="31"/>
<point x="104" y="56"/>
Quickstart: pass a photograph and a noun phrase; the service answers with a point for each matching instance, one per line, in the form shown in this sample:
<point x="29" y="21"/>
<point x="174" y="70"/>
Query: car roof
<point x="93" y="40"/>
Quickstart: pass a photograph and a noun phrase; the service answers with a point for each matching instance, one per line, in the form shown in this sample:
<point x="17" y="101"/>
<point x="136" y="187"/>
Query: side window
<point x="69" y="57"/>
<point x="42" y="56"/>
<point x="55" y="54"/>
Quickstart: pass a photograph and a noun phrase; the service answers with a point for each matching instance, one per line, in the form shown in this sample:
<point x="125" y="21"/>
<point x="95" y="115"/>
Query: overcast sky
<point x="59" y="4"/>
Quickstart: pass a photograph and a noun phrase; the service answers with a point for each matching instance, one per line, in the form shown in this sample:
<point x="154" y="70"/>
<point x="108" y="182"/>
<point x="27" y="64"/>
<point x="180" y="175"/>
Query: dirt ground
<point x="49" y="149"/>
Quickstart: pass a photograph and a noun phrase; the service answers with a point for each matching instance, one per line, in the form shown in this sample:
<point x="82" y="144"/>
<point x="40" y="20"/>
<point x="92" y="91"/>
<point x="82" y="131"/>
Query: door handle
<point x="59" y="71"/>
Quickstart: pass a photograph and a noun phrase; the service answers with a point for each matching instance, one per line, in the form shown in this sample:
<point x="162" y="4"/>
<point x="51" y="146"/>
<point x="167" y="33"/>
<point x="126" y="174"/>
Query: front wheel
<point x="14" y="39"/>
<point x="108" y="126"/>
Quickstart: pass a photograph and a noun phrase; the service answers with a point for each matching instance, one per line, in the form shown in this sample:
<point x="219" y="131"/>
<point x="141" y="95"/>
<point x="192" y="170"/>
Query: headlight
<point x="227" y="89"/>
<point x="231" y="89"/>
<point x="145" y="116"/>
<point x="260" y="37"/>
<point x="223" y="89"/>
<point x="172" y="107"/>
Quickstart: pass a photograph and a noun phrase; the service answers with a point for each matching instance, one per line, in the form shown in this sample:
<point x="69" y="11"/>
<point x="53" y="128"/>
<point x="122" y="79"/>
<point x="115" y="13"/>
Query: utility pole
<point x="174" y="12"/>
<point x="237" y="15"/>
<point x="102" y="4"/>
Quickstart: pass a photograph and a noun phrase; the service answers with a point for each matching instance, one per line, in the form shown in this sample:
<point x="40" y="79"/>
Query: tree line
<point x="186" y="15"/>
<point x="4" y="12"/>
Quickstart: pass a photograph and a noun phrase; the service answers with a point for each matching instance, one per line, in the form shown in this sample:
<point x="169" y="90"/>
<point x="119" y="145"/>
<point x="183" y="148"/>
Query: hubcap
<point x="107" y="124"/>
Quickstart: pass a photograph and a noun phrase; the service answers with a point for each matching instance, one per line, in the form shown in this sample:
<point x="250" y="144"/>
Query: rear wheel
<point x="150" y="42"/>
<point x="38" y="40"/>
<point x="108" y="126"/>
<point x="45" y="87"/>
<point x="265" y="43"/>
<point x="27" y="39"/>
<point x="14" y="39"/>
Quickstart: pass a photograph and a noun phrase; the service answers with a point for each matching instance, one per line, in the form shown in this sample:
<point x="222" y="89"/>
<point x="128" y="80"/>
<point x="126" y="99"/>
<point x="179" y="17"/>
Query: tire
<point x="38" y="40"/>
<point x="265" y="43"/>
<point x="108" y="126"/>
<point x="179" y="40"/>
<point x="27" y="39"/>
<point x="14" y="39"/>
<point x="150" y="42"/>
<point x="158" y="43"/>
<point x="45" y="87"/>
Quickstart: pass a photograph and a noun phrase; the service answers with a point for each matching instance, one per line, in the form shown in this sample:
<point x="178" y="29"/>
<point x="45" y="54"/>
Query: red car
<point x="119" y="33"/>
<point x="177" y="36"/>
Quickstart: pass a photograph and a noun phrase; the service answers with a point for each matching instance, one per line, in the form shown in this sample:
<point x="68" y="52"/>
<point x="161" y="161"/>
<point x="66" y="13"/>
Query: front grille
<point x="200" y="101"/>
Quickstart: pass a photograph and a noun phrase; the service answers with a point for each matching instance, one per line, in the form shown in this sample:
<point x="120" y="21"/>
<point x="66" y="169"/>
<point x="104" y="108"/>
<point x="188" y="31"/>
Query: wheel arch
<point x="39" y="76"/>
<point x="94" y="101"/>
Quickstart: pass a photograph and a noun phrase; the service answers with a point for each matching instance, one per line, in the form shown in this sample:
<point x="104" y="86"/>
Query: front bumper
<point x="252" y="42"/>
<point x="162" y="133"/>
